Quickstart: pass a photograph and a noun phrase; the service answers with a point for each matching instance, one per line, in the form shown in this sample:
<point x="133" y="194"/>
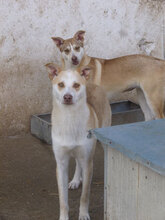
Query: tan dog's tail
<point x="97" y="98"/>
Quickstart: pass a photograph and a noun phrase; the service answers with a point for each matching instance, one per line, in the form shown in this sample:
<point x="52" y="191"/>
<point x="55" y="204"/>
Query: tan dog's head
<point x="69" y="86"/>
<point x="72" y="49"/>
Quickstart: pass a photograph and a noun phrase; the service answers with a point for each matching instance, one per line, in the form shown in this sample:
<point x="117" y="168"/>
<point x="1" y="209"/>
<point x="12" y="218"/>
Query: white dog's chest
<point x="70" y="133"/>
<point x="75" y="138"/>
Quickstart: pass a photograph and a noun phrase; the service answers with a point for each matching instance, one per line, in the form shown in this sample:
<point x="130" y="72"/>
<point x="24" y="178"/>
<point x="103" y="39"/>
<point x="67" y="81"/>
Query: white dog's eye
<point x="61" y="85"/>
<point x="76" y="85"/>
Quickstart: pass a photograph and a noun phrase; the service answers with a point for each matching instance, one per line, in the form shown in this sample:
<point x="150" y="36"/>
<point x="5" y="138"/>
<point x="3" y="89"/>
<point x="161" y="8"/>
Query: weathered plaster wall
<point x="113" y="28"/>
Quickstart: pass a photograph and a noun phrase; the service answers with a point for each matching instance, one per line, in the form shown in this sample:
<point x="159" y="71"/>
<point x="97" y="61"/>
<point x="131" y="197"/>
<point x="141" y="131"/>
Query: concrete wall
<point x="113" y="28"/>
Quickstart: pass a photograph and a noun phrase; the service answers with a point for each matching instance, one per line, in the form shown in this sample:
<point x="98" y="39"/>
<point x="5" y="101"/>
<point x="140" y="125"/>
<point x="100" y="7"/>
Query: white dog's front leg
<point x="62" y="180"/>
<point x="77" y="179"/>
<point x="87" y="170"/>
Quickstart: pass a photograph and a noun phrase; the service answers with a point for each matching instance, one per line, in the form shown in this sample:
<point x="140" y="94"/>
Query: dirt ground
<point x="28" y="187"/>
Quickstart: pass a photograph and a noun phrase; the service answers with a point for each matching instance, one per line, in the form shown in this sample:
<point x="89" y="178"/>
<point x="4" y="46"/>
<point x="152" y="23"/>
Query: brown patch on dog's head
<point x="64" y="45"/>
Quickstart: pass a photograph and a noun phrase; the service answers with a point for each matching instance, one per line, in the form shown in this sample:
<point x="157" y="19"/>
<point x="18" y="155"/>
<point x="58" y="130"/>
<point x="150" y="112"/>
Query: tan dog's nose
<point x="74" y="58"/>
<point x="68" y="98"/>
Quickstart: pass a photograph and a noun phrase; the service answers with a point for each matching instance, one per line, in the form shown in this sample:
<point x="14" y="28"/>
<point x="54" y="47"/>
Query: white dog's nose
<point x="68" y="98"/>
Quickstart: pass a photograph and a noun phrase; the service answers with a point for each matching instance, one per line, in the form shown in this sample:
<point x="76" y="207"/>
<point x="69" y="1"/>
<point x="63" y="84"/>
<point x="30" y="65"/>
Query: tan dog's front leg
<point x="87" y="171"/>
<point x="62" y="180"/>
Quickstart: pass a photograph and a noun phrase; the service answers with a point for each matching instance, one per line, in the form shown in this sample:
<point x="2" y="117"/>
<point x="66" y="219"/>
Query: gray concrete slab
<point x="28" y="187"/>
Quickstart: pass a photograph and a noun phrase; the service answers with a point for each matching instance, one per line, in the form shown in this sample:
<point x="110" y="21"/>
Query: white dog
<point x="72" y="118"/>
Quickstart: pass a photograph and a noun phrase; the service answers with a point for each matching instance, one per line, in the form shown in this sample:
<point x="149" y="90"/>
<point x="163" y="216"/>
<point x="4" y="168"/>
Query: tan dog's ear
<point x="79" y="36"/>
<point x="53" y="70"/>
<point x="85" y="72"/>
<point x="58" y="41"/>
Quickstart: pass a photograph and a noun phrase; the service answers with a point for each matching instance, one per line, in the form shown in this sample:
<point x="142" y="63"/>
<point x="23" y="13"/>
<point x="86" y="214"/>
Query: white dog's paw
<point x="84" y="216"/>
<point x="74" y="184"/>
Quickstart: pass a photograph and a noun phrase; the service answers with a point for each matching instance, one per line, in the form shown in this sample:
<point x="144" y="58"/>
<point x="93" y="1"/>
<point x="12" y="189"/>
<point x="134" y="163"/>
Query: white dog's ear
<point x="58" y="41"/>
<point x="79" y="36"/>
<point x="85" y="72"/>
<point x="53" y="70"/>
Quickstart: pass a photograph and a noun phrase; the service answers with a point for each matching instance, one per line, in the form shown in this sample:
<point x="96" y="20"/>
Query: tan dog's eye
<point x="66" y="51"/>
<point x="76" y="85"/>
<point x="77" y="48"/>
<point x="61" y="85"/>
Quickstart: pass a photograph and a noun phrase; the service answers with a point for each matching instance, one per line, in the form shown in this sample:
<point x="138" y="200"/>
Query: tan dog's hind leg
<point x="144" y="106"/>
<point x="155" y="100"/>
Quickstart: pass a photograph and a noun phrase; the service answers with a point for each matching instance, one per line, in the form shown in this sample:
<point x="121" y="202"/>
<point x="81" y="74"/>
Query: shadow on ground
<point x="28" y="187"/>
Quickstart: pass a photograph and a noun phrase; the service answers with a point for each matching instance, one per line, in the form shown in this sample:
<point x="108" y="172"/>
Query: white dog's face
<point x="69" y="86"/>
<point x="72" y="50"/>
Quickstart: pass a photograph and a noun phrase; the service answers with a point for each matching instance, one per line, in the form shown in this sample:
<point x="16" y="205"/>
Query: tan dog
<point x="145" y="73"/>
<point x="72" y="118"/>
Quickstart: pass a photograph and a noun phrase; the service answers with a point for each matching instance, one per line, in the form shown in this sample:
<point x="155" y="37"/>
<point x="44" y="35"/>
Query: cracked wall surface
<point x="113" y="28"/>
